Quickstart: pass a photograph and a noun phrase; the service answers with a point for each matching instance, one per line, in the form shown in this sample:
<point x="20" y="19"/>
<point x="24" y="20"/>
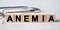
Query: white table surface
<point x="46" y="6"/>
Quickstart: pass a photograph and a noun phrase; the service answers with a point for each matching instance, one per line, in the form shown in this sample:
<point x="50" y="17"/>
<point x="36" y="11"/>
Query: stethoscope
<point x="27" y="10"/>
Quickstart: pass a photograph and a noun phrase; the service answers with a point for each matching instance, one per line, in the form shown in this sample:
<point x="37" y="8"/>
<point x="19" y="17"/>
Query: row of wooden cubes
<point x="30" y="17"/>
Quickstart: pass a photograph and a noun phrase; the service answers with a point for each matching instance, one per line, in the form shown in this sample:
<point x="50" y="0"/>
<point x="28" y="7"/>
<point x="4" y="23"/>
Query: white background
<point x="46" y="6"/>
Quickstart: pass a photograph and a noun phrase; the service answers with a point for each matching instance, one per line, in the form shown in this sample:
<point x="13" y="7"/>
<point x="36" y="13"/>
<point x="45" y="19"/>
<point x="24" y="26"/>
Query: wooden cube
<point x="26" y="17"/>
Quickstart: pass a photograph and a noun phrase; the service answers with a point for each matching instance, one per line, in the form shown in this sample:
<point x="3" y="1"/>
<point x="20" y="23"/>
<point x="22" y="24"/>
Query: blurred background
<point x="46" y="6"/>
